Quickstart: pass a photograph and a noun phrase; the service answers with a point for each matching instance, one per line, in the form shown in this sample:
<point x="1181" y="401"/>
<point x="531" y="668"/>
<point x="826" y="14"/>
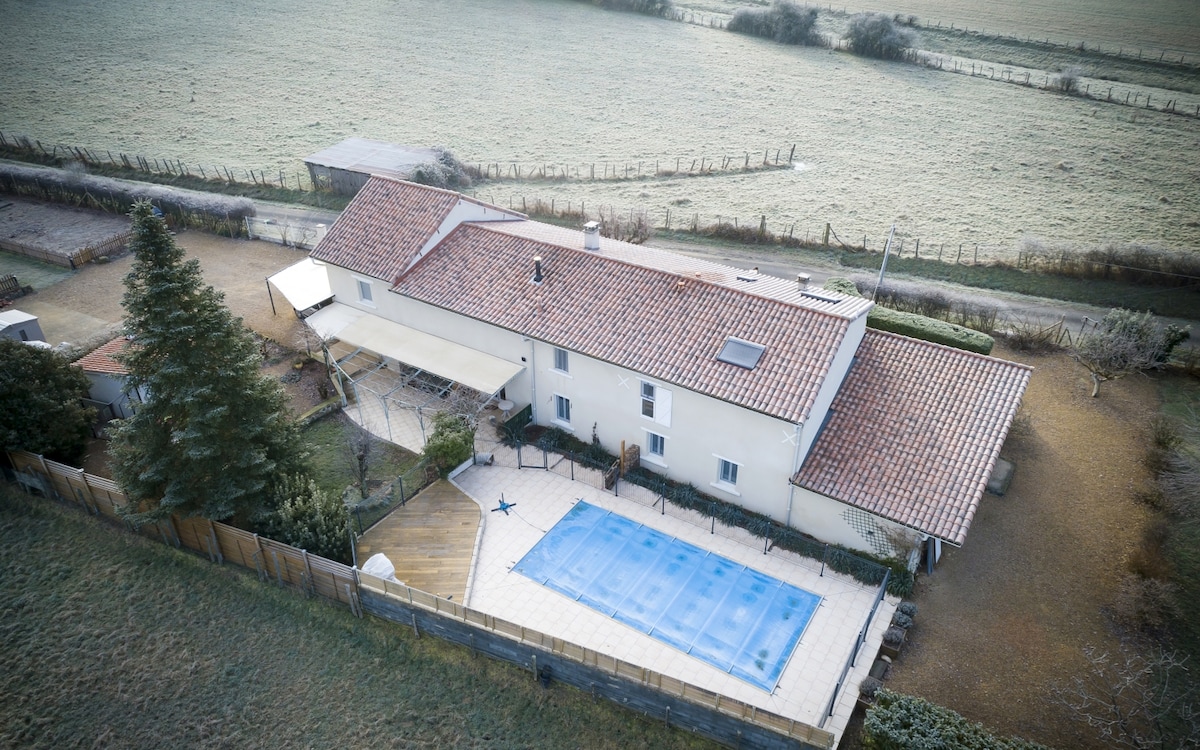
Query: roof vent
<point x="537" y="269"/>
<point x="751" y="275"/>
<point x="591" y="236"/>
<point x="741" y="353"/>
<point x="802" y="280"/>
<point x="822" y="297"/>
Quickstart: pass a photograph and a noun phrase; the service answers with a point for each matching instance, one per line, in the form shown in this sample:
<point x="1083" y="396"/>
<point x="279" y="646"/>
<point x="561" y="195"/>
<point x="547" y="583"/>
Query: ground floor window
<point x="656" y="445"/>
<point x="562" y="409"/>
<point x="727" y="472"/>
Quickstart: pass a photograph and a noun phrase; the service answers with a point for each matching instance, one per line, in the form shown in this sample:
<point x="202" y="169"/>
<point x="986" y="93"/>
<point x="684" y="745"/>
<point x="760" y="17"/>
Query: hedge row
<point x="918" y="326"/>
<point x="903" y="722"/>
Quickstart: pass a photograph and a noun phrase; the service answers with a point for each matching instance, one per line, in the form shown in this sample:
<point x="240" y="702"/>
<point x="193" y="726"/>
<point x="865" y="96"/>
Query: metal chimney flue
<point x="802" y="280"/>
<point x="591" y="236"/>
<point x="537" y="269"/>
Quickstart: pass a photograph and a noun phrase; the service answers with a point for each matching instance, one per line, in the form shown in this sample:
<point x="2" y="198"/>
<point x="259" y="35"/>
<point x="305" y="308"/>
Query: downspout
<point x="532" y="381"/>
<point x="795" y="468"/>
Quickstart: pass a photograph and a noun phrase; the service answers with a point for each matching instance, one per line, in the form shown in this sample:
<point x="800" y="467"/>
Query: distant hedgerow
<point x="785" y="22"/>
<point x="877" y="35"/>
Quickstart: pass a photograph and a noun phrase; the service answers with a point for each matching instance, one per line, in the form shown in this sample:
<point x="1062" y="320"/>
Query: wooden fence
<point x="273" y="561"/>
<point x="9" y="286"/>
<point x="111" y="246"/>
<point x="657" y="695"/>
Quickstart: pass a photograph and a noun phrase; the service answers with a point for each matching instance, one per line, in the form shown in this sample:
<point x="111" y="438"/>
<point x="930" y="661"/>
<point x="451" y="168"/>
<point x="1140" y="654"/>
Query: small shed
<point x="346" y="167"/>
<point x="21" y="326"/>
<point x="108" y="388"/>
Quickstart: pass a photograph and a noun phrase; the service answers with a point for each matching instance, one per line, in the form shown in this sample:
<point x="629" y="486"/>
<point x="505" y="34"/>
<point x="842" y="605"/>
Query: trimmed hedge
<point x="918" y="326"/>
<point x="903" y="722"/>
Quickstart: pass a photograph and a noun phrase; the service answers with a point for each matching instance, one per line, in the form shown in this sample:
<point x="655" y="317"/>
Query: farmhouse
<point x="754" y="389"/>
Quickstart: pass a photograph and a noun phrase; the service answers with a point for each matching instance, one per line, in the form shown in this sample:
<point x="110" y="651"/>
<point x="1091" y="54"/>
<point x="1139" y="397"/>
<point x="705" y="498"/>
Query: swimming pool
<point x="733" y="617"/>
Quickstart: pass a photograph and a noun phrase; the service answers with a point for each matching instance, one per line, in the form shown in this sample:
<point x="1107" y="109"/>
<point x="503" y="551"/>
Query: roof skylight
<point x="741" y="353"/>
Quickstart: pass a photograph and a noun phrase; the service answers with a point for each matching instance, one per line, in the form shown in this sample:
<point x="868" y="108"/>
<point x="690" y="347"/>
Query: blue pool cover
<point x="737" y="619"/>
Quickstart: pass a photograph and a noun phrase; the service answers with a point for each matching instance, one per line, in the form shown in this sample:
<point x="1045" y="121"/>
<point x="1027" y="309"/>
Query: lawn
<point x="331" y="459"/>
<point x="112" y="640"/>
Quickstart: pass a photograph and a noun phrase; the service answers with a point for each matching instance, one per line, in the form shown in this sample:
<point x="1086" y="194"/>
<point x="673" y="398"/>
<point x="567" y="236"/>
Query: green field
<point x="112" y="640"/>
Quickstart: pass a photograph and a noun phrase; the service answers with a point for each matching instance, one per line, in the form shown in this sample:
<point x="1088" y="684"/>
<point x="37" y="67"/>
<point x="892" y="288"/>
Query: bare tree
<point x="1124" y="342"/>
<point x="361" y="450"/>
<point x="1136" y="701"/>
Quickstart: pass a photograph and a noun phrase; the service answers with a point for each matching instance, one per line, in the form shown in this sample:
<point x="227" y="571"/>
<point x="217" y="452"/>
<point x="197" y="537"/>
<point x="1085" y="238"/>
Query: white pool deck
<point x="543" y="497"/>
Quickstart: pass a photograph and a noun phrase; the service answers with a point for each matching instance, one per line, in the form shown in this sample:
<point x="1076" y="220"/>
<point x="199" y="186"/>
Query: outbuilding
<point x="346" y="167"/>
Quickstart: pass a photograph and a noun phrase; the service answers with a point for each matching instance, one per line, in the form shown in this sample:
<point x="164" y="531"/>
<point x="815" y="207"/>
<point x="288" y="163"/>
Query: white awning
<point x="304" y="284"/>
<point x="455" y="362"/>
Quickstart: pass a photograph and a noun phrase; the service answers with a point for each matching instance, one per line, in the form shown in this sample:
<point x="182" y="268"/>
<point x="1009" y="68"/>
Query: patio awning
<point x="304" y="284"/>
<point x="446" y="359"/>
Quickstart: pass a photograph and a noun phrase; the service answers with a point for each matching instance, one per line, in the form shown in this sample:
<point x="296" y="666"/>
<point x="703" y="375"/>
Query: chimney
<point x="537" y="269"/>
<point x="591" y="236"/>
<point x="802" y="280"/>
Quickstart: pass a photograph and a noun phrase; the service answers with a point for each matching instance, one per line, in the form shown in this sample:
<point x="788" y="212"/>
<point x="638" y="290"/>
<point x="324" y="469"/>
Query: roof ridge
<point x="924" y="343"/>
<point x="663" y="272"/>
<point x="453" y="193"/>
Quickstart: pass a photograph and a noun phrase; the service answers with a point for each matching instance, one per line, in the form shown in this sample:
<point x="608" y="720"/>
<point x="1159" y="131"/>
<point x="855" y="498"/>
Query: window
<point x="727" y="471"/>
<point x="741" y="353"/>
<point x="364" y="291"/>
<point x="561" y="362"/>
<point x="656" y="403"/>
<point x="648" y="399"/>
<point x="562" y="409"/>
<point x="656" y="444"/>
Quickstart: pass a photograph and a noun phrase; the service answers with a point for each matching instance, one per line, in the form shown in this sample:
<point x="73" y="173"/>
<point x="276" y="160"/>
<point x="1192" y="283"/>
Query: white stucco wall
<point x="833" y="522"/>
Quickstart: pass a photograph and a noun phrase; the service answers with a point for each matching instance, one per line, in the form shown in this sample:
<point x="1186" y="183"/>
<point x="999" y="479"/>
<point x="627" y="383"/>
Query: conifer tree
<point x="214" y="437"/>
<point x="41" y="403"/>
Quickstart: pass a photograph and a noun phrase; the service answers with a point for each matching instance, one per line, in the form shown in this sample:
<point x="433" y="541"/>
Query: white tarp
<point x="455" y="362"/>
<point x="380" y="566"/>
<point x="304" y="284"/>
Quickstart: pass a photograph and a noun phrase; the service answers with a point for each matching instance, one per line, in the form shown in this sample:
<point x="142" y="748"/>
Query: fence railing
<point x="9" y="285"/>
<point x="303" y="235"/>
<point x="316" y="576"/>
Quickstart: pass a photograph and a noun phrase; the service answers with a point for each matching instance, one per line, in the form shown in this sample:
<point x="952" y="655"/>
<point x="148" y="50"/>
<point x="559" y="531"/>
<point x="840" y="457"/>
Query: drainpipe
<point x="532" y="381"/>
<point x="795" y="468"/>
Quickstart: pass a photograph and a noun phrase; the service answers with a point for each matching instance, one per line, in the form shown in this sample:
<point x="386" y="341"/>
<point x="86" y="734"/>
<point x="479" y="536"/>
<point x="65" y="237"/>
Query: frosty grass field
<point x="948" y="158"/>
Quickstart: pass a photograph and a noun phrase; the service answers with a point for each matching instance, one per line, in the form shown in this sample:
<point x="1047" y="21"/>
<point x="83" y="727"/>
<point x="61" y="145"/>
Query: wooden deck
<point x="430" y="540"/>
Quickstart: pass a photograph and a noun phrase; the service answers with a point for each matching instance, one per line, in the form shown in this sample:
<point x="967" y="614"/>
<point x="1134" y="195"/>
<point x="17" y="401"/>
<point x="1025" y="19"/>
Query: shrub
<point x="902" y="620"/>
<point x="1067" y="80"/>
<point x="783" y="22"/>
<point x="307" y="517"/>
<point x="1144" y="605"/>
<point x="902" y="722"/>
<point x="869" y="687"/>
<point x="451" y="442"/>
<point x="907" y="608"/>
<point x="876" y="35"/>
<point x="894" y="636"/>
<point x="1033" y="335"/>
<point x="445" y="171"/>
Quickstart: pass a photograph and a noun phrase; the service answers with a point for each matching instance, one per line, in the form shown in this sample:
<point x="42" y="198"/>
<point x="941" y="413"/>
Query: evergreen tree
<point x="214" y="437"/>
<point x="41" y="410"/>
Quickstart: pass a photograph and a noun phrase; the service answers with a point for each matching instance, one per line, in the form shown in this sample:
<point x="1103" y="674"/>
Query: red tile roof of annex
<point x="386" y="225"/>
<point x="663" y="325"/>
<point x="914" y="433"/>
<point x="102" y="359"/>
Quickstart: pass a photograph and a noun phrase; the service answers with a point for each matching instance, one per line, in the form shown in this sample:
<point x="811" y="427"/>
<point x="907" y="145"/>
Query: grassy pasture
<point x="112" y="640"/>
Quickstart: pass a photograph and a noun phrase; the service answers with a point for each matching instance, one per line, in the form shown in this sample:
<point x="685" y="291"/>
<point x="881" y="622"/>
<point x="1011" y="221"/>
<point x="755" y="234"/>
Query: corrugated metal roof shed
<point x="372" y="157"/>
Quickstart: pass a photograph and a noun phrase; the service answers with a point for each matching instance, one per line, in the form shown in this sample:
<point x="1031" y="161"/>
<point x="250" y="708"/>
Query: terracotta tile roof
<point x="384" y="228"/>
<point x="667" y="326"/>
<point x="102" y="360"/>
<point x="915" y="432"/>
<point x="737" y="278"/>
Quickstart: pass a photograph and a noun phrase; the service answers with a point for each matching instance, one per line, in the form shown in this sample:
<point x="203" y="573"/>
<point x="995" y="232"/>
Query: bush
<point x="307" y="517"/>
<point x="444" y="171"/>
<point x="907" y="608"/>
<point x="1144" y="605"/>
<point x="876" y="35"/>
<point x="902" y="722"/>
<point x="902" y="620"/>
<point x="451" y="442"/>
<point x="870" y="687"/>
<point x="894" y="636"/>
<point x="783" y="22"/>
<point x="1067" y="81"/>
